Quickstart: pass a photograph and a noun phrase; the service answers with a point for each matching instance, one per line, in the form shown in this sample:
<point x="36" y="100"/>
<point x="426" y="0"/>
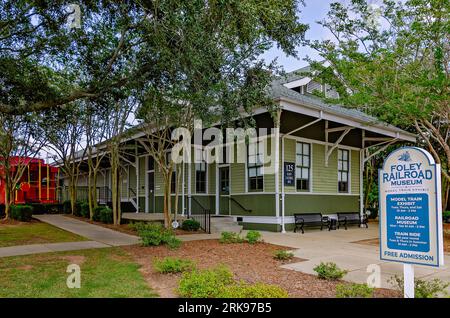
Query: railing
<point x="104" y="194"/>
<point x="132" y="195"/>
<point x="240" y="205"/>
<point x="204" y="218"/>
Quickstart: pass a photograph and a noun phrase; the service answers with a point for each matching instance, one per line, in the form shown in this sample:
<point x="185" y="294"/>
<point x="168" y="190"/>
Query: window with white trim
<point x="343" y="170"/>
<point x="303" y="166"/>
<point x="255" y="166"/>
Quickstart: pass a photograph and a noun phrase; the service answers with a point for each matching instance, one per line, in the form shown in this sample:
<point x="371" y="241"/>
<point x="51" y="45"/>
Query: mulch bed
<point x="15" y="222"/>
<point x="125" y="228"/>
<point x="251" y="263"/>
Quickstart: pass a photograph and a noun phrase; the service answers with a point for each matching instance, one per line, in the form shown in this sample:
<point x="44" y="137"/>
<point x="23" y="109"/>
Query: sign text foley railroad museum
<point x="410" y="207"/>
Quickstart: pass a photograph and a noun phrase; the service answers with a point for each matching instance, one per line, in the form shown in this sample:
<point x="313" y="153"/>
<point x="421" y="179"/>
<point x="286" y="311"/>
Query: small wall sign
<point x="410" y="208"/>
<point x="289" y="174"/>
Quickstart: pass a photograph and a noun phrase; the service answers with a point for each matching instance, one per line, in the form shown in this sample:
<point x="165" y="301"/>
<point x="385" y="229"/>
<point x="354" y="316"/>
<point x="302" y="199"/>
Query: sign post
<point x="410" y="212"/>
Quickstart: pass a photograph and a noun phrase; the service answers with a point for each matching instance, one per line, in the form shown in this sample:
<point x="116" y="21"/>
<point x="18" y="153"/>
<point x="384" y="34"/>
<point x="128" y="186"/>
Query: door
<point x="151" y="191"/>
<point x="224" y="190"/>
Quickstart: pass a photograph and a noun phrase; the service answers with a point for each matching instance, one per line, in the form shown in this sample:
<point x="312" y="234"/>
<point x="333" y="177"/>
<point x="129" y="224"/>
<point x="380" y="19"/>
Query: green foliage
<point x="423" y="288"/>
<point x="230" y="237"/>
<point x="218" y="283"/>
<point x="253" y="237"/>
<point x="354" y="291"/>
<point x="283" y="255"/>
<point x="106" y="215"/>
<point x="190" y="225"/>
<point x="258" y="290"/>
<point x="446" y="216"/>
<point x="329" y="271"/>
<point x="21" y="212"/>
<point x="97" y="212"/>
<point x="173" y="265"/>
<point x="46" y="208"/>
<point x="154" y="234"/>
<point x="84" y="209"/>
<point x="77" y="211"/>
<point x="66" y="207"/>
<point x="205" y="283"/>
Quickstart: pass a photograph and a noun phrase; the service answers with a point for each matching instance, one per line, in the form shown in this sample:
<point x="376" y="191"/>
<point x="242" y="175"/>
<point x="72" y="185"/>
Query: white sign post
<point x="410" y="212"/>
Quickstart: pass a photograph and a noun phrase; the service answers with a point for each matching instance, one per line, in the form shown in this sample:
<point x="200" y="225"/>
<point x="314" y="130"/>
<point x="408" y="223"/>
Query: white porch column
<point x="146" y="185"/>
<point x="137" y="182"/>
<point x="283" y="197"/>
<point x="361" y="176"/>
<point x="217" y="188"/>
<point x="183" y="184"/>
<point x="189" y="189"/>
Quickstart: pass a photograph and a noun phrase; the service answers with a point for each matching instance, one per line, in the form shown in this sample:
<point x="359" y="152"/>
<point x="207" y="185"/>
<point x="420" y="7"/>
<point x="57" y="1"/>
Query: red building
<point x="38" y="184"/>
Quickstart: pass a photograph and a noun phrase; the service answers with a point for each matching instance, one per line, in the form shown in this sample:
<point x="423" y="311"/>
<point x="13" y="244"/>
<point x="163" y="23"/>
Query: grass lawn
<point x="105" y="272"/>
<point x="23" y="233"/>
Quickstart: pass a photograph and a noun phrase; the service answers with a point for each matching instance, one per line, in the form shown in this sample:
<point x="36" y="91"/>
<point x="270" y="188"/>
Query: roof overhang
<point x="328" y="114"/>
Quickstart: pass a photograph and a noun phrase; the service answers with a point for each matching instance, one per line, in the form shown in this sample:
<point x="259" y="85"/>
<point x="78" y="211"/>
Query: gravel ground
<point x="252" y="263"/>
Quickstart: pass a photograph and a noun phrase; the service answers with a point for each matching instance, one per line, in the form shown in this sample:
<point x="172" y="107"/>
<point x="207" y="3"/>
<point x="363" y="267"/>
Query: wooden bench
<point x="308" y="219"/>
<point x="348" y="218"/>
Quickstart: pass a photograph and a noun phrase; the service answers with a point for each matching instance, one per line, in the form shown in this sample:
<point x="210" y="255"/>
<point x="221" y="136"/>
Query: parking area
<point x="344" y="247"/>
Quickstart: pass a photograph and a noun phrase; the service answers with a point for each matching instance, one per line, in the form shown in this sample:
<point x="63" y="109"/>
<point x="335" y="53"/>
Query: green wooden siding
<point x="211" y="171"/>
<point x="237" y="173"/>
<point x="354" y="172"/>
<point x="324" y="179"/>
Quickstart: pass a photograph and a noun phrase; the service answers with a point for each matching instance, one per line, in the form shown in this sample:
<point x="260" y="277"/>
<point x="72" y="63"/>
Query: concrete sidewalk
<point x="339" y="247"/>
<point x="90" y="231"/>
<point x="48" y="248"/>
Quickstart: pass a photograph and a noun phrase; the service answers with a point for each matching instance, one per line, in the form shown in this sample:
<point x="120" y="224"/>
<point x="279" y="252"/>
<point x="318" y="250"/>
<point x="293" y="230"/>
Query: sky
<point x="313" y="11"/>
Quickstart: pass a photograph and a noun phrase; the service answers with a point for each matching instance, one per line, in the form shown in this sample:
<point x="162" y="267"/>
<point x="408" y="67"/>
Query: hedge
<point x="21" y="212"/>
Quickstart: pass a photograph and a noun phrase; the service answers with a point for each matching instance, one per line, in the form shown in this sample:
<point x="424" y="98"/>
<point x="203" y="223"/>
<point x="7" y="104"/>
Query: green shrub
<point x="154" y="234"/>
<point x="253" y="237"/>
<point x="46" y="208"/>
<point x="258" y="290"/>
<point x="173" y="265"/>
<point x="84" y="209"/>
<point x="21" y="212"/>
<point x="77" y="211"/>
<point x="98" y="212"/>
<point x="205" y="283"/>
<point x="66" y="207"/>
<point x="329" y="271"/>
<point x="354" y="291"/>
<point x="190" y="225"/>
<point x="283" y="255"/>
<point x="218" y="283"/>
<point x="230" y="237"/>
<point x="106" y="215"/>
<point x="423" y="288"/>
<point x="446" y="216"/>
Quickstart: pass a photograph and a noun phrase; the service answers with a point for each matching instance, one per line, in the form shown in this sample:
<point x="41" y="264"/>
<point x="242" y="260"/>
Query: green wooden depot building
<point x="321" y="153"/>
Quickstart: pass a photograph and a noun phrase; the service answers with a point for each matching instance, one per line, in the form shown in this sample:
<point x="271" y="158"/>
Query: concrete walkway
<point x="48" y="248"/>
<point x="339" y="247"/>
<point x="100" y="237"/>
<point x="90" y="231"/>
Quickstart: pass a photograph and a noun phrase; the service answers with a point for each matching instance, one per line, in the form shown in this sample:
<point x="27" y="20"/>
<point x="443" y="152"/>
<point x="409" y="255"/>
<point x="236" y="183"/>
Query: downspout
<point x="361" y="177"/>
<point x="182" y="189"/>
<point x="283" y="194"/>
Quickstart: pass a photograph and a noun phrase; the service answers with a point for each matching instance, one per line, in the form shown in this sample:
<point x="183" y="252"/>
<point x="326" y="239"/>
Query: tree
<point x="19" y="143"/>
<point x="392" y="61"/>
<point x="205" y="64"/>
<point x="63" y="131"/>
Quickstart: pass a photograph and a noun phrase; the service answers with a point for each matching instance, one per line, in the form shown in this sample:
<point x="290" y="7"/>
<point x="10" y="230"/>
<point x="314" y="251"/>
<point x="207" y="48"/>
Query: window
<point x="303" y="164"/>
<point x="200" y="172"/>
<point x="255" y="166"/>
<point x="343" y="170"/>
<point x="224" y="174"/>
